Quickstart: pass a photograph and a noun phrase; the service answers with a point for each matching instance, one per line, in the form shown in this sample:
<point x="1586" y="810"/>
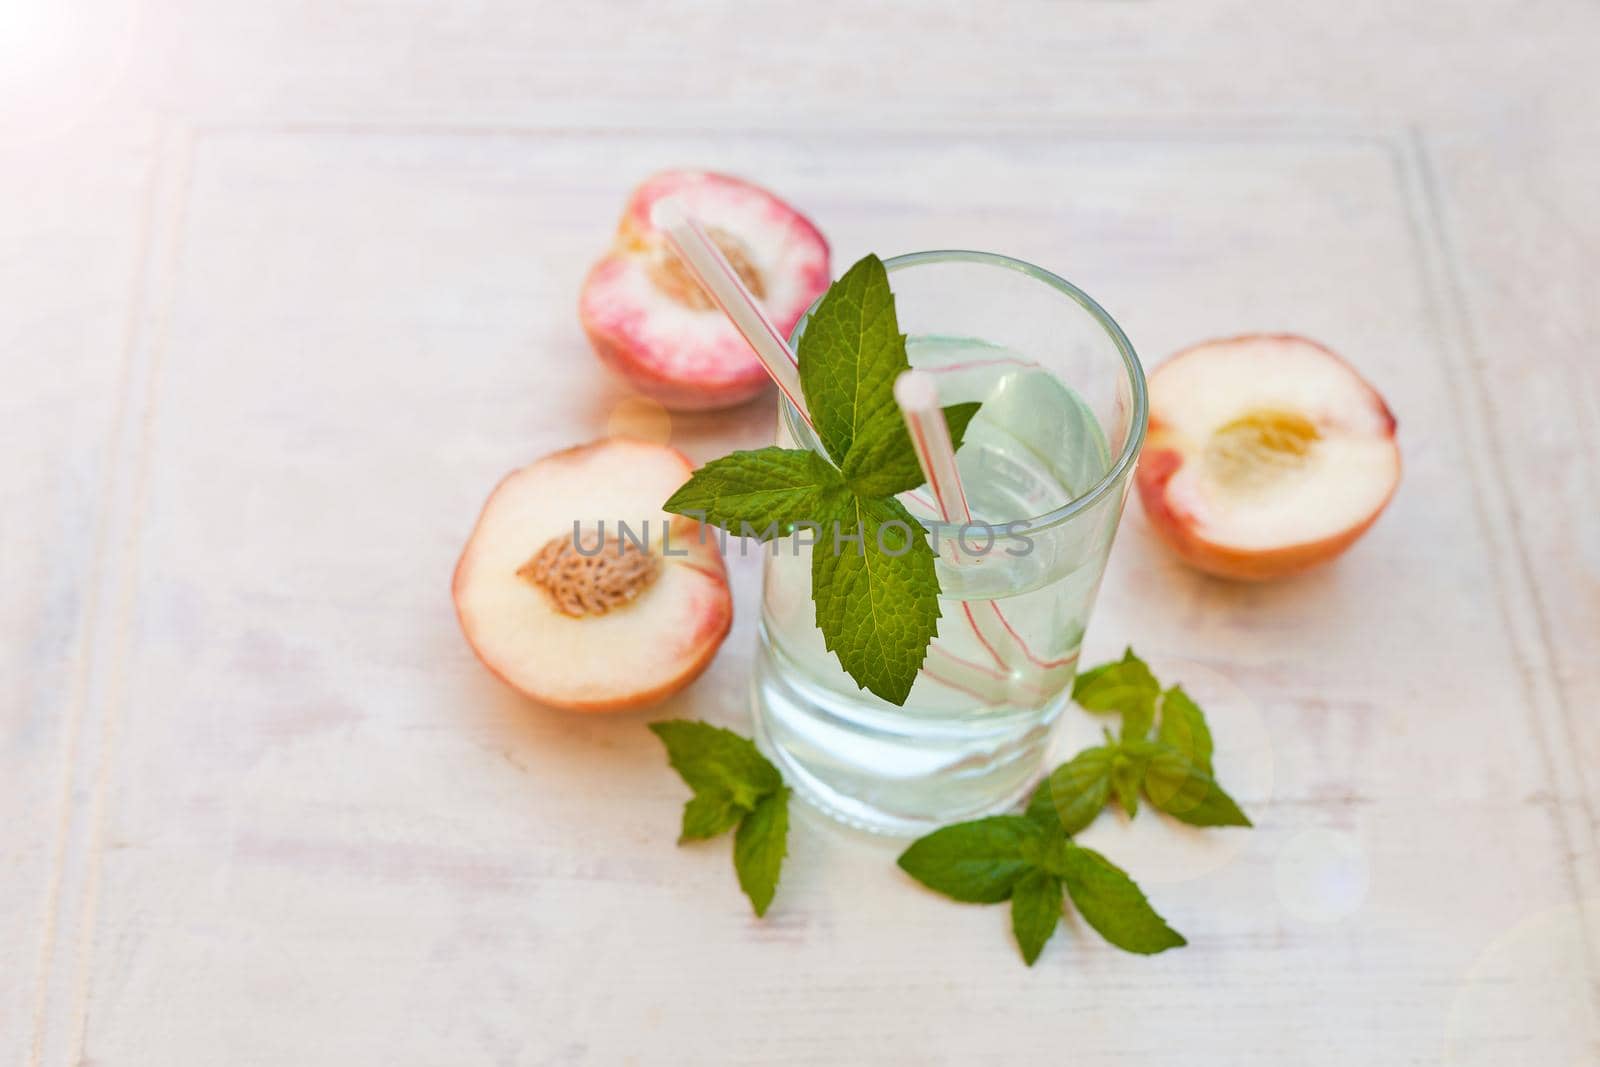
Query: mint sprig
<point x="1031" y="858"/>
<point x="872" y="570"/>
<point x="1021" y="859"/>
<point x="734" y="785"/>
<point x="1173" y="770"/>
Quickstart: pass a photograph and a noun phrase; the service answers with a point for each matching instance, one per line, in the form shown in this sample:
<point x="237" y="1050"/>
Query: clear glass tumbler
<point x="1045" y="465"/>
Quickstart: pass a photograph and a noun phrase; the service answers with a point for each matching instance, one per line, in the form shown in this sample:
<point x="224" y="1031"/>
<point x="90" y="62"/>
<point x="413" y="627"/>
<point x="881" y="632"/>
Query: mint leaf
<point x="882" y="460"/>
<point x="958" y="417"/>
<point x="732" y="783"/>
<point x="976" y="862"/>
<point x="1075" y="792"/>
<point x="1110" y="902"/>
<point x="1042" y="806"/>
<point x="1183" y="726"/>
<point x="717" y="762"/>
<point x="1136" y="722"/>
<point x="761" y="493"/>
<point x="877" y="600"/>
<point x="851" y="352"/>
<point x="1124" y="686"/>
<point x="759" y="848"/>
<point x="1183" y="789"/>
<point x="1126" y="775"/>
<point x="1035" y="910"/>
<point x="709" y="815"/>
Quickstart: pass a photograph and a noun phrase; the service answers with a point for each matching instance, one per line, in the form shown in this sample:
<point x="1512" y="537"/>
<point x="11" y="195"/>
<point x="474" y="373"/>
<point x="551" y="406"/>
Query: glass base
<point x="900" y="774"/>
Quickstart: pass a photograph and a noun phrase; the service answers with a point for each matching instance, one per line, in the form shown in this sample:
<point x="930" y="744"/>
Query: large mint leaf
<point x="877" y="596"/>
<point x="1110" y="902"/>
<point x="717" y="763"/>
<point x="759" y="494"/>
<point x="976" y="862"/>
<point x="851" y="352"/>
<point x="759" y="848"/>
<point x="1035" y="910"/>
<point x="882" y="460"/>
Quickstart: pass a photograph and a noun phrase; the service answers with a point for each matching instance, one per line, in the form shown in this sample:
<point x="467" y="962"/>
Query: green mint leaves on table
<point x="1030" y="858"/>
<point x="1173" y="770"/>
<point x="734" y="785"/>
<point x="872" y="572"/>
<point x="1021" y="859"/>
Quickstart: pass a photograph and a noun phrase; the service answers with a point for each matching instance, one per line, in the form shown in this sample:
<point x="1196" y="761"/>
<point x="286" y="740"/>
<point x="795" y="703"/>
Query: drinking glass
<point x="1045" y="466"/>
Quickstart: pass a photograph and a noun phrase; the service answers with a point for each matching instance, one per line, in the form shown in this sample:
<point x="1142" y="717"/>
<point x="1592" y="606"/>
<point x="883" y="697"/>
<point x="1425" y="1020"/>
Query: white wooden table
<point x="285" y="287"/>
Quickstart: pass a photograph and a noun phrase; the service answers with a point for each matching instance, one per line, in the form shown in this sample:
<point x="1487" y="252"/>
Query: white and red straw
<point x="917" y="393"/>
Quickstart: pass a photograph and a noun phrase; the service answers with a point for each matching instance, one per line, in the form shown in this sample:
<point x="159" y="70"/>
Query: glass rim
<point x="1129" y="454"/>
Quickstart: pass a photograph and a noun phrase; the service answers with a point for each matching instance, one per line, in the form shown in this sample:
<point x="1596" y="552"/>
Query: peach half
<point x="1266" y="455"/>
<point x="579" y="615"/>
<point x="650" y="321"/>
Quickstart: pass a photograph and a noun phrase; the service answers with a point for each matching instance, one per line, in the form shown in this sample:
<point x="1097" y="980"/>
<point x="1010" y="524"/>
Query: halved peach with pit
<point x="579" y="612"/>
<point x="650" y="321"/>
<point x="1266" y="455"/>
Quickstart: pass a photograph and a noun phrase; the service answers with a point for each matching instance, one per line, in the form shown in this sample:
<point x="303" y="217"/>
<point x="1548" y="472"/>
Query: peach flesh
<point x="1266" y="455"/>
<point x="622" y="629"/>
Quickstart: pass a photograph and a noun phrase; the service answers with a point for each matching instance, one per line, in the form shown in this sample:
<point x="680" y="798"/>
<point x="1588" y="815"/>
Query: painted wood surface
<point x="289" y="285"/>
